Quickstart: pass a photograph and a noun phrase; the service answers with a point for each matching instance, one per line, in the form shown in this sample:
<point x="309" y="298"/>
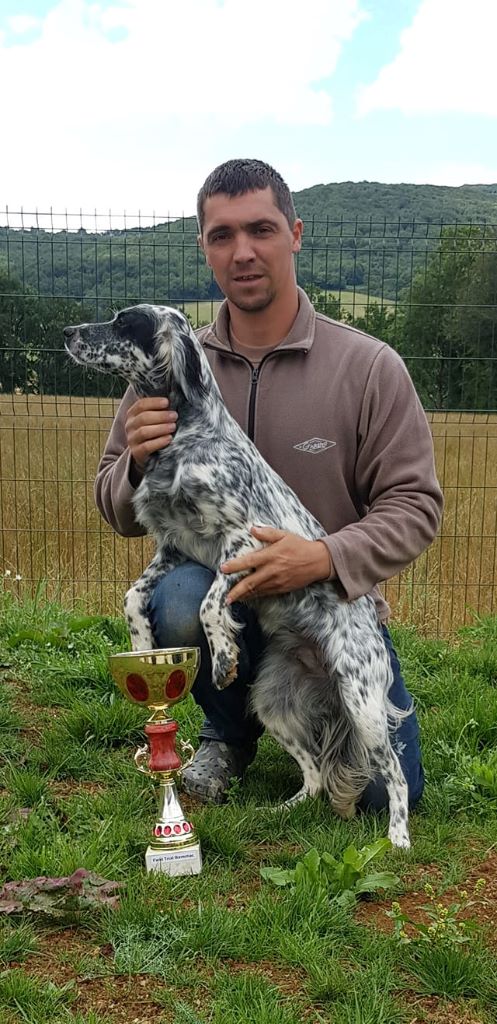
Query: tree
<point x="449" y="331"/>
<point x="32" y="356"/>
<point x="325" y="303"/>
<point x="378" y="320"/>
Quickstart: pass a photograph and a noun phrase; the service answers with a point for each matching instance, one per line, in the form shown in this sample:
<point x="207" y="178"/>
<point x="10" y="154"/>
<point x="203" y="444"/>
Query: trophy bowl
<point x="157" y="679"/>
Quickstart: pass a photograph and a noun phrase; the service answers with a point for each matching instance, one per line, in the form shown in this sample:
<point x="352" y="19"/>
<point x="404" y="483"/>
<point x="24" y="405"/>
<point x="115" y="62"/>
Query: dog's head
<point x="152" y="347"/>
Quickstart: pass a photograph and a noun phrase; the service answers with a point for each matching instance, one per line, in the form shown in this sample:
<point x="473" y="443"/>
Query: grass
<point x="227" y="946"/>
<point x="353" y="302"/>
<point x="33" y="1001"/>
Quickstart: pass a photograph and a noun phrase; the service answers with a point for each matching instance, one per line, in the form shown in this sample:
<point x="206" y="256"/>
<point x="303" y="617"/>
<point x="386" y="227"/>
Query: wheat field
<point x="52" y="535"/>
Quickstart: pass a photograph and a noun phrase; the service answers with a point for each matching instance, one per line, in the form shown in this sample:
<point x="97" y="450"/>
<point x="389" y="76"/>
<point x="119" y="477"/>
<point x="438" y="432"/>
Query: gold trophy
<point x="159" y="679"/>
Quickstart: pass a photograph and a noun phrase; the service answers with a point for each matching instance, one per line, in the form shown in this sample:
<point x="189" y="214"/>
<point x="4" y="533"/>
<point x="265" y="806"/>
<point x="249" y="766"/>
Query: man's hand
<point x="150" y="425"/>
<point x="287" y="562"/>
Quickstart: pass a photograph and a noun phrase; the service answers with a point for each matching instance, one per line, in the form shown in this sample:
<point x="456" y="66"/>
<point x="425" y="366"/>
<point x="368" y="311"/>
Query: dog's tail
<point x="349" y="740"/>
<point x="346" y="768"/>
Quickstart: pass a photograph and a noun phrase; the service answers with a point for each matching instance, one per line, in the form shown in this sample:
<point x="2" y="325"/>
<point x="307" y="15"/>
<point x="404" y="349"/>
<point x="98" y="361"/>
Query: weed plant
<point x="228" y="946"/>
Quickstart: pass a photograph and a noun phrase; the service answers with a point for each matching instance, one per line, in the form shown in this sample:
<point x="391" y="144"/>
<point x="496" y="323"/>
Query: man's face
<point x="249" y="245"/>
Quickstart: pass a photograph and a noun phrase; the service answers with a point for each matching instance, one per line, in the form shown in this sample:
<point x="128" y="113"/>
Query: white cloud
<point x="446" y="63"/>
<point x="21" y="23"/>
<point x="456" y="174"/>
<point x="122" y="104"/>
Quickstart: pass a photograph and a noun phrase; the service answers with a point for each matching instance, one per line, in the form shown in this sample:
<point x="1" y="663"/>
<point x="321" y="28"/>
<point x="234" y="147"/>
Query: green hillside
<point x="422" y="203"/>
<point x="362" y="236"/>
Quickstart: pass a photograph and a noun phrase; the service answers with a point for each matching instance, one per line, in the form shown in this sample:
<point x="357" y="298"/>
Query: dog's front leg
<point x="219" y="626"/>
<point x="138" y="596"/>
<point x="221" y="630"/>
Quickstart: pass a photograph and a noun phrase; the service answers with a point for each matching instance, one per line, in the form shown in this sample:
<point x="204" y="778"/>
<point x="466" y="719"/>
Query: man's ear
<point x="201" y="247"/>
<point x="297" y="232"/>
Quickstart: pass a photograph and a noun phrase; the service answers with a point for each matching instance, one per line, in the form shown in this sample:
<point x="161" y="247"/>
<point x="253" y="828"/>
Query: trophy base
<point x="175" y="862"/>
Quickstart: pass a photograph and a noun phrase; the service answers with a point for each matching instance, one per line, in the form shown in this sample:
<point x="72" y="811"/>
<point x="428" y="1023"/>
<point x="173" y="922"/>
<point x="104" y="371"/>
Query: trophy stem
<point x="162" y="739"/>
<point x="175" y="848"/>
<point x="172" y="830"/>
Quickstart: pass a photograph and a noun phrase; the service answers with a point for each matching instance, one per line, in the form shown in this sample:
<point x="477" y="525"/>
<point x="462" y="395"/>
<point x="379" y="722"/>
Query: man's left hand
<point x="287" y="562"/>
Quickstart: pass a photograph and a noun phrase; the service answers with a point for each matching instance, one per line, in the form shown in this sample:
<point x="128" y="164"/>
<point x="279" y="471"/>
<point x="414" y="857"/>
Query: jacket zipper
<point x="253" y="396"/>
<point x="254" y="380"/>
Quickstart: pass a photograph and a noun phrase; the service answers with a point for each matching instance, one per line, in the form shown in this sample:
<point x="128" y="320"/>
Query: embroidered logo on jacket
<point x="314" y="445"/>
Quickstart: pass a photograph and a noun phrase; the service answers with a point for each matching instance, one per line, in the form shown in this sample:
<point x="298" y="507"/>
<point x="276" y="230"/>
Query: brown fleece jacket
<point x="335" y="413"/>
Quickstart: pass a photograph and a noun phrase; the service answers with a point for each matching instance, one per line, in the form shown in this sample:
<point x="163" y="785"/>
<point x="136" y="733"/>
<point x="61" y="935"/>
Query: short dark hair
<point x="235" y="177"/>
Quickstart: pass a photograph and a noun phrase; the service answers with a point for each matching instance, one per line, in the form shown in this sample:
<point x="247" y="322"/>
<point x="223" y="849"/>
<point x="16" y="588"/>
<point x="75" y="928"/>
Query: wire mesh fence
<point x="428" y="289"/>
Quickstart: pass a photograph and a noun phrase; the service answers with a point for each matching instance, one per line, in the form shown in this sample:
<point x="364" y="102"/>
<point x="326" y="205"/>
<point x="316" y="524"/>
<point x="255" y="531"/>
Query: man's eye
<point x="264" y="229"/>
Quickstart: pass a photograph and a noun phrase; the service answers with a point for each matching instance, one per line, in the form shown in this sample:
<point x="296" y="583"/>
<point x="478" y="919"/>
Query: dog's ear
<point x="137" y="323"/>
<point x="191" y="380"/>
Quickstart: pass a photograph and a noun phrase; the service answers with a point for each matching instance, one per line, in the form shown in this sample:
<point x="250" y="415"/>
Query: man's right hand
<point x="150" y="425"/>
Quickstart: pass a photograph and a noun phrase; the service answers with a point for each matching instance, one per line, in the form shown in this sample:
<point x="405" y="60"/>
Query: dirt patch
<point x="64" y="788"/>
<point x="34" y="717"/>
<point x="484" y="908"/>
<point x="57" y="951"/>
<point x="123" y="1000"/>
<point x="289" y="980"/>
<point x="432" y="1010"/>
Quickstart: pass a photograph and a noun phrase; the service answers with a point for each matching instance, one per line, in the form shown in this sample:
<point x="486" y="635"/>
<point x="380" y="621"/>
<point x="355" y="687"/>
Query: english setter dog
<point x="321" y="690"/>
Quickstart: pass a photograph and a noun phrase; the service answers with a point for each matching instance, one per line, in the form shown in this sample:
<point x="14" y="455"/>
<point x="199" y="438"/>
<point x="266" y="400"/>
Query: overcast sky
<point x="129" y="105"/>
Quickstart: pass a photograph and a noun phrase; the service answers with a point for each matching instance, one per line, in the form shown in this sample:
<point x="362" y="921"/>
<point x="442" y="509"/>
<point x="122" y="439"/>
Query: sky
<point x="128" y="105"/>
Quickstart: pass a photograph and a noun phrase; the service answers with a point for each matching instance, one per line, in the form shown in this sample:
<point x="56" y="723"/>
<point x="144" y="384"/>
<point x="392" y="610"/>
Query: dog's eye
<point x="120" y="324"/>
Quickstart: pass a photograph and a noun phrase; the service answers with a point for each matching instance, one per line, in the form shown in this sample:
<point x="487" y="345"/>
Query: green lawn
<point x="353" y="303"/>
<point x="230" y="946"/>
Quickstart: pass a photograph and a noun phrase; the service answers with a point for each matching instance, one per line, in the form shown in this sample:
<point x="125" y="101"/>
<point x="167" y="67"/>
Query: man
<point x="336" y="415"/>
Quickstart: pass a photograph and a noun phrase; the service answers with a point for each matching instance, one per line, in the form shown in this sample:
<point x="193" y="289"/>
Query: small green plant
<point x="343" y="879"/>
<point x="444" y="953"/>
<point x="446" y="925"/>
<point x="248" y="997"/>
<point x="474" y="784"/>
<point x="454" y="972"/>
<point x="28" y="787"/>
<point x="185" y="1015"/>
<point x="36" y="1002"/>
<point x="16" y="943"/>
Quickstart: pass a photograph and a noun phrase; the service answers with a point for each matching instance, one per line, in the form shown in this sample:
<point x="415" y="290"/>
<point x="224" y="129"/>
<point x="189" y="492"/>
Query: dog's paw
<point x="399" y="837"/>
<point x="224" y="667"/>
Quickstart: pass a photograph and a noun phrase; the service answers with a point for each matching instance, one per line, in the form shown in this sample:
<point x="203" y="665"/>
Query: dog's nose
<point x="69" y="331"/>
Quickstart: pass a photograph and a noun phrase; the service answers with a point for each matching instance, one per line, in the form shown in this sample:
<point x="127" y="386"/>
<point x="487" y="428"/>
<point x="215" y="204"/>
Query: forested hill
<point x="364" y="235"/>
<point x="371" y="200"/>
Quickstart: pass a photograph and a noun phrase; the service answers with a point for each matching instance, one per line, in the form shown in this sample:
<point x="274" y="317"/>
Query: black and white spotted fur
<point x="322" y="686"/>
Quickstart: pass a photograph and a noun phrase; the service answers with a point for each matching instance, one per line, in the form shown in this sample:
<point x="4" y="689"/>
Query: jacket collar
<point x="300" y="338"/>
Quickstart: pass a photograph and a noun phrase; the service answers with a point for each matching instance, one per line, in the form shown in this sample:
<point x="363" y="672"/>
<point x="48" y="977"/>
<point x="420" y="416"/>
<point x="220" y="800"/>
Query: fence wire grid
<point x="428" y="289"/>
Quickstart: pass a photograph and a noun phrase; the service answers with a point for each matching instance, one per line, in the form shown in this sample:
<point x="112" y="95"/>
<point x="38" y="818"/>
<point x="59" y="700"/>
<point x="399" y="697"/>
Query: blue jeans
<point x="174" y="612"/>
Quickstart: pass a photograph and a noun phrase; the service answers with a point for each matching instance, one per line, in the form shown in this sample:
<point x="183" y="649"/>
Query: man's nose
<point x="244" y="251"/>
